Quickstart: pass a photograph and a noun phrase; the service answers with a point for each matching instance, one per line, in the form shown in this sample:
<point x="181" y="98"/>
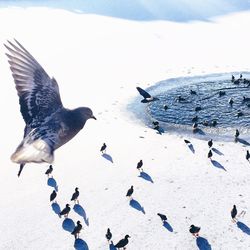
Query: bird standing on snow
<point x="48" y="124"/>
<point x="65" y="211"/>
<point x="187" y="141"/>
<point x="77" y="229"/>
<point x="103" y="148"/>
<point x="210" y="154"/>
<point x="75" y="196"/>
<point x="49" y="170"/>
<point x="237" y="134"/>
<point x="163" y="217"/>
<point x="139" y="166"/>
<point x="247" y="155"/>
<point x="194" y="230"/>
<point x="210" y="143"/>
<point x="130" y="192"/>
<point x="53" y="196"/>
<point x="234" y="213"/>
<point x="147" y="97"/>
<point x="122" y="243"/>
<point x="108" y="235"/>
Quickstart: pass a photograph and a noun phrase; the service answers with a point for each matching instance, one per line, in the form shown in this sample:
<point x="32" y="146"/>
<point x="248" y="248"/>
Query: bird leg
<point x="20" y="169"/>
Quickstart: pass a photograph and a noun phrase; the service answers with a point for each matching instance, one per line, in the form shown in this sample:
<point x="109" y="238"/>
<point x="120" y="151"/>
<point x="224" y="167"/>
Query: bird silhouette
<point x="49" y="170"/>
<point x="75" y="196"/>
<point x="237" y="134"/>
<point x="210" y="154"/>
<point x="122" y="243"/>
<point x="187" y="141"/>
<point x="210" y="143"/>
<point x="108" y="235"/>
<point x="163" y="217"/>
<point x="147" y="97"/>
<point x="48" y="125"/>
<point x="65" y="211"/>
<point x="247" y="155"/>
<point x="130" y="192"/>
<point x="194" y="230"/>
<point x="103" y="148"/>
<point x="53" y="195"/>
<point x="139" y="166"/>
<point x="234" y="213"/>
<point x="77" y="229"/>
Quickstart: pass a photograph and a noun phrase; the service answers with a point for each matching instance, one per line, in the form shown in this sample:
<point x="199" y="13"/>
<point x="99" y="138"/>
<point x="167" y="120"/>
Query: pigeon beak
<point x="93" y="117"/>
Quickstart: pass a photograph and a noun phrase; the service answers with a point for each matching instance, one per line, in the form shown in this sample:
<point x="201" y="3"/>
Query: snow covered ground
<point x="98" y="61"/>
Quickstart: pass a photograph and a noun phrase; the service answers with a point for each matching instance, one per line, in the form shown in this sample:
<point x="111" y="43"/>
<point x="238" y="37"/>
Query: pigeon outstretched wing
<point x="38" y="93"/>
<point x="144" y="93"/>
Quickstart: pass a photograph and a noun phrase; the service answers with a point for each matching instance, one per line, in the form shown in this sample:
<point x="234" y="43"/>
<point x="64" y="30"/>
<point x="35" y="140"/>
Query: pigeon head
<point x="76" y="189"/>
<point x="78" y="222"/>
<point x="50" y="167"/>
<point x="127" y="236"/>
<point x="86" y="113"/>
<point x="191" y="226"/>
<point x="67" y="205"/>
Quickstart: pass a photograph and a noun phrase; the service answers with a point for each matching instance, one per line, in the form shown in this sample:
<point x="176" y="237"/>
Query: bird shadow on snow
<point x="68" y="225"/>
<point x="191" y="147"/>
<point x="217" y="151"/>
<point x="52" y="183"/>
<point x="203" y="244"/>
<point x="217" y="165"/>
<point x="136" y="205"/>
<point x="243" y="227"/>
<point x="244" y="142"/>
<point x="80" y="244"/>
<point x="80" y="211"/>
<point x="56" y="208"/>
<point x="146" y="177"/>
<point x="107" y="157"/>
<point x="168" y="226"/>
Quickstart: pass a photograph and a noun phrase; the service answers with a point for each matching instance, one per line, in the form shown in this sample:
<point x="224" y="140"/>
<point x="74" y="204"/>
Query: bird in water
<point x="234" y="213"/>
<point x="237" y="134"/>
<point x="103" y="148"/>
<point x="247" y="155"/>
<point x="77" y="230"/>
<point x="48" y="125"/>
<point x="108" y="235"/>
<point x="194" y="230"/>
<point x="75" y="196"/>
<point x="231" y="101"/>
<point x="147" y="97"/>
<point x="53" y="196"/>
<point x="210" y="143"/>
<point x="163" y="217"/>
<point x="65" y="211"/>
<point x="49" y="170"/>
<point x="122" y="243"/>
<point x="130" y="192"/>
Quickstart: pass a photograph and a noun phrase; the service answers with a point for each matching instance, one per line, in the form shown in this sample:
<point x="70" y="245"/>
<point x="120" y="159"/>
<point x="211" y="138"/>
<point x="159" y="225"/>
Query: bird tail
<point x="33" y="151"/>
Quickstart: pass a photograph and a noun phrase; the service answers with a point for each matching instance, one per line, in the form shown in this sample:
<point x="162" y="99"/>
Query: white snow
<point x="98" y="61"/>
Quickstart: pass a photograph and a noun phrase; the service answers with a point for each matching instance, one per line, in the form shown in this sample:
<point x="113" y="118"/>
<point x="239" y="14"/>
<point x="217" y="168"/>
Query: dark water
<point x="179" y="116"/>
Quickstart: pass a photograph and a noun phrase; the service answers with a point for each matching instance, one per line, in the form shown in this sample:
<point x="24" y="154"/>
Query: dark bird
<point x="221" y="93"/>
<point x="122" y="243"/>
<point x="246" y="99"/>
<point x="77" y="229"/>
<point x="165" y="107"/>
<point x="75" y="195"/>
<point x="163" y="217"/>
<point x="210" y="143"/>
<point x="108" y="235"/>
<point x="239" y="113"/>
<point x="155" y="123"/>
<point x="231" y="101"/>
<point x="193" y="92"/>
<point x="197" y="109"/>
<point x="103" y="148"/>
<point x="195" y="119"/>
<point x="247" y="155"/>
<point x="213" y="123"/>
<point x="49" y="170"/>
<point x="237" y="134"/>
<point x="130" y="191"/>
<point x="48" y="125"/>
<point x="210" y="154"/>
<point x="234" y="213"/>
<point x="53" y="195"/>
<point x="139" y="165"/>
<point x="147" y="97"/>
<point x="240" y="76"/>
<point x="195" y="127"/>
<point x="233" y="78"/>
<point x="187" y="141"/>
<point x="65" y="211"/>
<point x="180" y="98"/>
<point x="194" y="230"/>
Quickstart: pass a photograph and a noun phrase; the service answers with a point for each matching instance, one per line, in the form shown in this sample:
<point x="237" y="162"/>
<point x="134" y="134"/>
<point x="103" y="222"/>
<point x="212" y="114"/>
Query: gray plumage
<point x="48" y="124"/>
